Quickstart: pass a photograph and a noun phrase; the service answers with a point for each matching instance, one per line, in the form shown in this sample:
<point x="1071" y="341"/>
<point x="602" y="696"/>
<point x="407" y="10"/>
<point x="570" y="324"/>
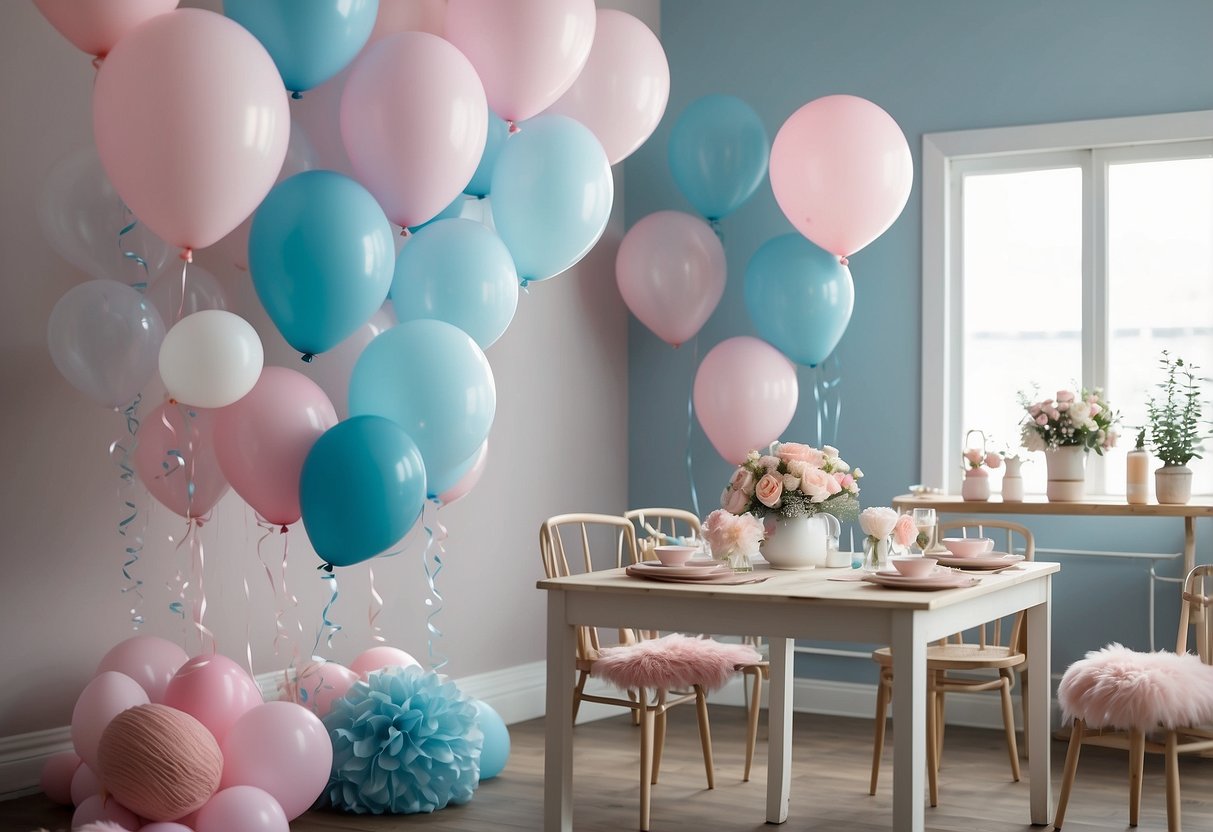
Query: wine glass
<point x="924" y="521"/>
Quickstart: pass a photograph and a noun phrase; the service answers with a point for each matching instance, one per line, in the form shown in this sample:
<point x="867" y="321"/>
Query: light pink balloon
<point x="57" y="774"/>
<point x="215" y="691"/>
<point x="332" y="369"/>
<point x="176" y="450"/>
<point x="377" y="658"/>
<point x="414" y="123"/>
<point x="192" y="123"/>
<point x="262" y="440"/>
<point x="149" y="660"/>
<point x="468" y="481"/>
<point x="319" y="684"/>
<point x="528" y="52"/>
<point x="671" y="271"/>
<point x="242" y="808"/>
<point x="102" y="699"/>
<point x="94" y="26"/>
<point x="396" y="16"/>
<point x="98" y="808"/>
<point x="622" y="91"/>
<point x="745" y="396"/>
<point x="283" y="749"/>
<point x="841" y="171"/>
<point x="85" y="783"/>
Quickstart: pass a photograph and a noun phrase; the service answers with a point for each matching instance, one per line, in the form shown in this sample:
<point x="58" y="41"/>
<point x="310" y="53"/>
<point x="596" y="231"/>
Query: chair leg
<point x="1067" y="780"/>
<point x="646" y="759"/>
<point x="1008" y="723"/>
<point x="932" y="744"/>
<point x="882" y="713"/>
<point x="581" y="677"/>
<point x="705" y="735"/>
<point x="939" y="724"/>
<point x="1173" y="818"/>
<point x="1137" y="758"/>
<point x="659" y="723"/>
<point x="1023" y="703"/>
<point x="635" y="711"/>
<point x="752" y="727"/>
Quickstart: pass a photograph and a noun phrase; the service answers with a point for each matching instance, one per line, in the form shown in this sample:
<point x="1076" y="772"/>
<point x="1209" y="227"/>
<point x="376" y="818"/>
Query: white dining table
<point x="806" y="605"/>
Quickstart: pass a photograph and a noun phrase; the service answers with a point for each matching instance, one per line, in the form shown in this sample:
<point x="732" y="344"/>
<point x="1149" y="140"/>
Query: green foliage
<point x="1174" y="416"/>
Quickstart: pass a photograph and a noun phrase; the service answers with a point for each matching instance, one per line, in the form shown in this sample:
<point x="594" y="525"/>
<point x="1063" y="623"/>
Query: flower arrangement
<point x="794" y="481"/>
<point x="1175" y="420"/>
<point x="975" y="458"/>
<point x="1084" y="419"/>
<point x="879" y="522"/>
<point x="729" y="533"/>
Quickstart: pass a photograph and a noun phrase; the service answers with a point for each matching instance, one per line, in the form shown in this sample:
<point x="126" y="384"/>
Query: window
<point x="1062" y="255"/>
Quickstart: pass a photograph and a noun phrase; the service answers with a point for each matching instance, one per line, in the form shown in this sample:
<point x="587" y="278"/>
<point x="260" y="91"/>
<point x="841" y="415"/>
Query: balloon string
<point x="691" y="425"/>
<point x="435" y="533"/>
<point x="131" y="255"/>
<point x="280" y="633"/>
<point x="181" y="306"/>
<point x="327" y="627"/>
<point x="375" y="608"/>
<point x="715" y="224"/>
<point x="128" y="529"/>
<point x="828" y="393"/>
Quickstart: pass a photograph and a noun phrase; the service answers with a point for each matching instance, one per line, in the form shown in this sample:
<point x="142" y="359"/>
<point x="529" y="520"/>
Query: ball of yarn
<point x="159" y="762"/>
<point x="404" y="741"/>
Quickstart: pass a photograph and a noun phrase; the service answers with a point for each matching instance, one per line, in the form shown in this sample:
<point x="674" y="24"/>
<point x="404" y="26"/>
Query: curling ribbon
<point x="691" y="425"/>
<point x="128" y="529"/>
<point x="435" y="533"/>
<point x="376" y="607"/>
<point x="827" y="399"/>
<point x="131" y="255"/>
<point x="176" y="461"/>
<point x="326" y="623"/>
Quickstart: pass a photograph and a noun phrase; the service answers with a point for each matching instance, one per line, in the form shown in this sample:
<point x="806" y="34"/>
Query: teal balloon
<point x="430" y="378"/>
<point x="496" y="750"/>
<point x="321" y="256"/>
<point x="799" y="297"/>
<point x="482" y="179"/>
<point x="718" y="153"/>
<point x="449" y="212"/>
<point x="460" y="272"/>
<point x="552" y="193"/>
<point x="309" y="40"/>
<point x="362" y="488"/>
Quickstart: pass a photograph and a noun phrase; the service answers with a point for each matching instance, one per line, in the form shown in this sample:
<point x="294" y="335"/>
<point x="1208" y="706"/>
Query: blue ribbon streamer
<point x="328" y="628"/>
<point x="133" y="256"/>
<point x="127" y="528"/>
<point x="691" y="425"/>
<point x="433" y="539"/>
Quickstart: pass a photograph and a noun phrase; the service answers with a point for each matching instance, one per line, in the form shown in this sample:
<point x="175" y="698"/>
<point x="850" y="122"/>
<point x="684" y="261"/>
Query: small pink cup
<point x="675" y="555"/>
<point x="913" y="566"/>
<point x="968" y="547"/>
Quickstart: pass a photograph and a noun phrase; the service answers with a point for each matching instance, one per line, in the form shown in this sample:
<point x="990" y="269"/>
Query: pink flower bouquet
<point x="1084" y="419"/>
<point x="729" y="533"/>
<point x="795" y="481"/>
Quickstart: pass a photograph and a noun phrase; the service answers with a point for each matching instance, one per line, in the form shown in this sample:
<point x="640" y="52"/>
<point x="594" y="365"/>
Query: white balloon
<point x="211" y="359"/>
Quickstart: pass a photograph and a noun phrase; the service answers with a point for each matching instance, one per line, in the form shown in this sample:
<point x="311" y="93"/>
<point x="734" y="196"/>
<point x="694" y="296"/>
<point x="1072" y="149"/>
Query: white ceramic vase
<point x="976" y="485"/>
<point x="798" y="542"/>
<point x="1173" y="485"/>
<point x="1012" y="481"/>
<point x="1067" y="473"/>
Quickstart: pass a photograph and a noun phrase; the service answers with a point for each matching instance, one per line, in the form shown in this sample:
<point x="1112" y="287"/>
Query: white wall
<point x="558" y="444"/>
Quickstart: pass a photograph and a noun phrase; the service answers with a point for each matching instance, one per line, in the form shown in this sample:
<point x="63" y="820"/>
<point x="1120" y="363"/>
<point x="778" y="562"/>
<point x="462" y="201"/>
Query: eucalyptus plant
<point x="1174" y="417"/>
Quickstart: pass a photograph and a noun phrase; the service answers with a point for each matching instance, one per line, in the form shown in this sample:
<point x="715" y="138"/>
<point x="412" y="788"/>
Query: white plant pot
<point x="976" y="485"/>
<point x="1067" y="473"/>
<point x="798" y="542"/>
<point x="1173" y="485"/>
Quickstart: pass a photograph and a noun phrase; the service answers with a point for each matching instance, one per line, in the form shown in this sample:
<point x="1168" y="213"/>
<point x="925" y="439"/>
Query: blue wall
<point x="934" y="65"/>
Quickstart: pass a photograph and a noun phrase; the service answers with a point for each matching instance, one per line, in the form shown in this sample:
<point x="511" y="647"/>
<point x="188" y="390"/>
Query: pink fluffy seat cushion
<point x="1120" y="688"/>
<point x="673" y="662"/>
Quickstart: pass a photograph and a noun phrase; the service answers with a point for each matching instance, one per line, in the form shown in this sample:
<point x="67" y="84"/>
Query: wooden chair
<point x="1110" y="713"/>
<point x="992" y="651"/>
<point x="661" y="526"/>
<point x="651" y="705"/>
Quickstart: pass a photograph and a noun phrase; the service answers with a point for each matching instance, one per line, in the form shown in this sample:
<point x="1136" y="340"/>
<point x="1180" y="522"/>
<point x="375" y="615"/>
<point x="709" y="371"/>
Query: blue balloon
<point x="718" y="154"/>
<point x="449" y="212"/>
<point x="496" y="750"/>
<point x="309" y="40"/>
<point x="361" y="489"/>
<point x="460" y="272"/>
<point x="799" y="297"/>
<point x="482" y="179"/>
<point x="321" y="256"/>
<point x="430" y="378"/>
<point x="552" y="193"/>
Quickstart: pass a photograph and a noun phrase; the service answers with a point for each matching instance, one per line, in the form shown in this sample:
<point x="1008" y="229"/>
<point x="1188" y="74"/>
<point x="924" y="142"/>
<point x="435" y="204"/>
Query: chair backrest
<point x="595" y="533"/>
<point x="992" y="632"/>
<point x="1196" y="597"/>
<point x="661" y="526"/>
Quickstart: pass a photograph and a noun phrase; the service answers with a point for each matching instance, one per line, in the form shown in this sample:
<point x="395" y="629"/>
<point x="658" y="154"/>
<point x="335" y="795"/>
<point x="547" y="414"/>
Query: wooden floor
<point x="829" y="785"/>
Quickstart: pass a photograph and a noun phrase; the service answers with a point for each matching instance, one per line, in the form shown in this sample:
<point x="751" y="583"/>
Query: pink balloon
<point x="468" y="481"/>
<point x="319" y="684"/>
<point x="242" y="808"/>
<point x="176" y="450"/>
<point x="841" y="171"/>
<point x="192" y="123"/>
<point x="283" y="749"/>
<point x="94" y="26"/>
<point x="98" y="808"/>
<point x="85" y="783"/>
<point x="528" y="52"/>
<point x="149" y="660"/>
<point x="57" y="774"/>
<point x="414" y="123"/>
<point x="262" y="439"/>
<point x="671" y="271"/>
<point x="377" y="658"/>
<point x="745" y="396"/>
<point x="213" y="690"/>
<point x="622" y="91"/>
<point x="102" y="699"/>
<point x="396" y="16"/>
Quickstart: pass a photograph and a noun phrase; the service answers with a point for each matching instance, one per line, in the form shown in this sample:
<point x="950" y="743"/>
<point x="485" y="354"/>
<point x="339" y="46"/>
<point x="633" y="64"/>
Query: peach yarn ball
<point x="159" y="762"/>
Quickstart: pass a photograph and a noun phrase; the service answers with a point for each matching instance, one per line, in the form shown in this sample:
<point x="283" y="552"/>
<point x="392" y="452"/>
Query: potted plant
<point x="1175" y="435"/>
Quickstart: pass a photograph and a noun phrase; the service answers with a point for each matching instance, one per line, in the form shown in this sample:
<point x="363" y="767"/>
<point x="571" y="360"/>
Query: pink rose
<point x="789" y="451"/>
<point x="993" y="460"/>
<point x="905" y="532"/>
<point x="769" y="490"/>
<point x="845" y="481"/>
<point x="1042" y="420"/>
<point x="973" y="456"/>
<point x="1095" y="408"/>
<point x="1034" y="410"/>
<point x="743" y="481"/>
<point x="769" y="462"/>
<point x="817" y="485"/>
<point x="735" y="502"/>
<point x="1063" y="406"/>
<point x="1065" y="396"/>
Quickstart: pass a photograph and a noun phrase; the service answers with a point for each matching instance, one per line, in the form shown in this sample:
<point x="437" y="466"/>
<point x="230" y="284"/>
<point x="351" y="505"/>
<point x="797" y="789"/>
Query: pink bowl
<point x="913" y="566"/>
<point x="968" y="547"/>
<point x="675" y="555"/>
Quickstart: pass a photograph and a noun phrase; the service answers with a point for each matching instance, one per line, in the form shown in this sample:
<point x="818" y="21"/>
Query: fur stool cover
<point x="673" y="662"/>
<point x="1123" y="689"/>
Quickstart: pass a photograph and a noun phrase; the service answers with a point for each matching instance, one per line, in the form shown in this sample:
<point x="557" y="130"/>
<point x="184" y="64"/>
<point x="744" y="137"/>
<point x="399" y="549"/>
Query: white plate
<point x="990" y="560"/>
<point x="939" y="580"/>
<point x="657" y="568"/>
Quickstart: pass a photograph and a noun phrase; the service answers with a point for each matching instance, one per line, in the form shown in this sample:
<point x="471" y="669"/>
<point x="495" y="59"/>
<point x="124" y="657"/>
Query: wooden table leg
<point x="1039" y="622"/>
<point x="779" y="718"/>
<point x="558" y="720"/>
<point x="1197" y="613"/>
<point x="909" y="723"/>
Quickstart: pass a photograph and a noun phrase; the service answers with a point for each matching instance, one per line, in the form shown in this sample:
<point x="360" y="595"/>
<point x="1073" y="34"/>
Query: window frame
<point x="946" y="157"/>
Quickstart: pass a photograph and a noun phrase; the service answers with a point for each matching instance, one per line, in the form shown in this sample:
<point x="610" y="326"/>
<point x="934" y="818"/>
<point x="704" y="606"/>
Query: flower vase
<point x="1173" y="485"/>
<point x="739" y="560"/>
<point x="798" y="542"/>
<point x="976" y="485"/>
<point x="876" y="551"/>
<point x="1012" y="481"/>
<point x="1067" y="474"/>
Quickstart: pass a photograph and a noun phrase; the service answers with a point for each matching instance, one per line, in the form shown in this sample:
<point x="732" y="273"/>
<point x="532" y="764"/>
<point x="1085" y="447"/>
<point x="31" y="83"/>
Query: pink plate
<point x="937" y="580"/>
<point x="655" y="569"/>
<point x="991" y="560"/>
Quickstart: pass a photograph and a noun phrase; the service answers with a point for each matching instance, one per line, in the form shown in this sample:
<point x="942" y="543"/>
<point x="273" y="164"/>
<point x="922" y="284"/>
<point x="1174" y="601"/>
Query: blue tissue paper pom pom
<point x="404" y="741"/>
